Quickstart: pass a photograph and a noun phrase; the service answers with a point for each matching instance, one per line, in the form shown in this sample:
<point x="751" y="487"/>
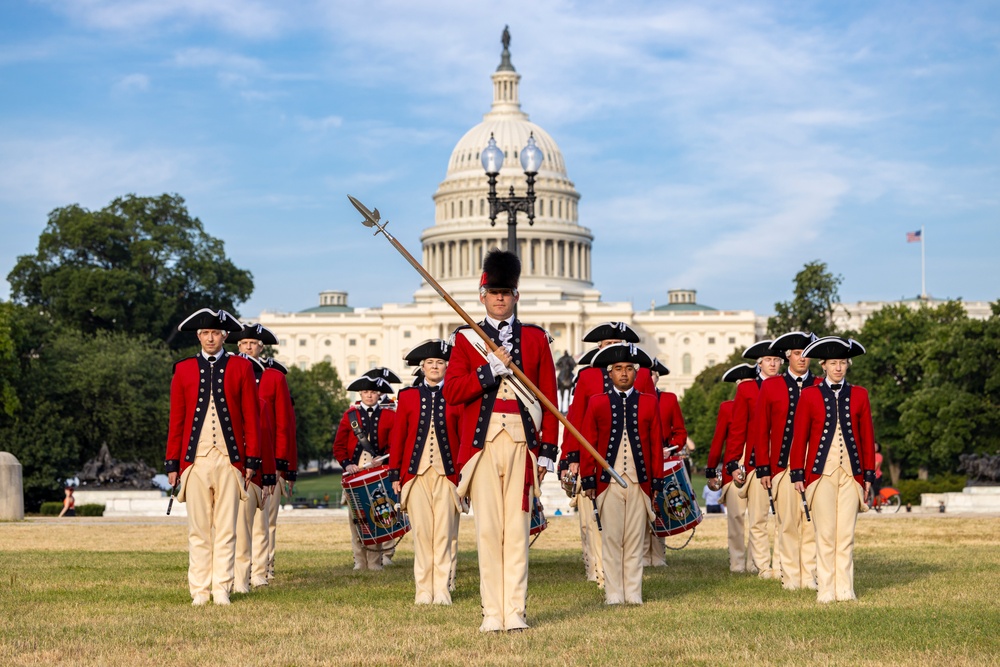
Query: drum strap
<point x="359" y="433"/>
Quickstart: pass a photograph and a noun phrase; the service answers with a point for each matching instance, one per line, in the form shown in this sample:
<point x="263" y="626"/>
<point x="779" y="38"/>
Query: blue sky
<point x="716" y="146"/>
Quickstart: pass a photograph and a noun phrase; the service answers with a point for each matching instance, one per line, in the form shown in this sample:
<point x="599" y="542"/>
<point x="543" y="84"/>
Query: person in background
<point x="69" y="503"/>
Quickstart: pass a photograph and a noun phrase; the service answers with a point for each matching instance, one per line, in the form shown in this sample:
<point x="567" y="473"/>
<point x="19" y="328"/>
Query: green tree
<point x="139" y="265"/>
<point x="9" y="368"/>
<point x="320" y="401"/>
<point x="701" y="401"/>
<point x="895" y="369"/>
<point x="811" y="308"/>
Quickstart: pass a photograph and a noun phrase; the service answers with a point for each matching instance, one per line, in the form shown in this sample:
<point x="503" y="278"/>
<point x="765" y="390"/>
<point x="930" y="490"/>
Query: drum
<point x="374" y="506"/>
<point x="538" y="521"/>
<point x="676" y="507"/>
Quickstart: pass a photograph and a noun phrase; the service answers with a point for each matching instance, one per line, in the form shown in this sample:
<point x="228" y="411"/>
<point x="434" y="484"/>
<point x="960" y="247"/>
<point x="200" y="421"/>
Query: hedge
<point x="910" y="489"/>
<point x="90" y="509"/>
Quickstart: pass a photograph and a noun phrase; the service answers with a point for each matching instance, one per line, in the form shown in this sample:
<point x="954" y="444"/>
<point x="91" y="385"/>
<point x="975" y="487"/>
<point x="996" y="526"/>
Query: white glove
<point x="497" y="366"/>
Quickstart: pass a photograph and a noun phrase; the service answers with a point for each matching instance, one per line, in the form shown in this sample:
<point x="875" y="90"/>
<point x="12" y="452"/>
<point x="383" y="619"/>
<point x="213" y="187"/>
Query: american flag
<point x="914" y="237"/>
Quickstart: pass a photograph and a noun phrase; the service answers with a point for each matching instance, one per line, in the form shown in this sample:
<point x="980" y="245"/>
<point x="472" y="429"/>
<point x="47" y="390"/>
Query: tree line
<point x="933" y="375"/>
<point x="89" y="339"/>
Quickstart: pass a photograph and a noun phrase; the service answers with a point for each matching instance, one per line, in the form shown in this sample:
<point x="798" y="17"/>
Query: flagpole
<point x="923" y="264"/>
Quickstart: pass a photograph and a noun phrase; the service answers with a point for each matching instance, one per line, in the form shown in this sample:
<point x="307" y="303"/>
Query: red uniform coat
<point x="717" y="450"/>
<point x="416" y="408"/>
<point x="265" y="475"/>
<point x="235" y="394"/>
<point x="592" y="382"/>
<point x="672" y="421"/>
<point x="469" y="380"/>
<point x="274" y="389"/>
<point x="345" y="443"/>
<point x="814" y="431"/>
<point x="603" y="429"/>
<point x="772" y="432"/>
<point x="737" y="451"/>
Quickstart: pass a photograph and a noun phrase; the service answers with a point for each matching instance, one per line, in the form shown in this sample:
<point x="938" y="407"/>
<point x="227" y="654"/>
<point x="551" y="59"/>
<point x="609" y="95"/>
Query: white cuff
<point x="546" y="462"/>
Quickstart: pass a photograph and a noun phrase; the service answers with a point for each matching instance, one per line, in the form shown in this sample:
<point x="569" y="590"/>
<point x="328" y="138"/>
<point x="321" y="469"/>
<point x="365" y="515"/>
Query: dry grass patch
<point x="107" y="592"/>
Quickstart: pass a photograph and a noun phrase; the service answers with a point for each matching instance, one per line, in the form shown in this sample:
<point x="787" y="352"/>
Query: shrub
<point x="51" y="508"/>
<point x="92" y="509"/>
<point x="910" y="489"/>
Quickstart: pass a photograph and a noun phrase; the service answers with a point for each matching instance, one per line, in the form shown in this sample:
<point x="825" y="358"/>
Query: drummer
<point x="624" y="426"/>
<point x="592" y="381"/>
<point x="363" y="436"/>
<point x="387" y="402"/>
<point x="422" y="453"/>
<point x="675" y="437"/>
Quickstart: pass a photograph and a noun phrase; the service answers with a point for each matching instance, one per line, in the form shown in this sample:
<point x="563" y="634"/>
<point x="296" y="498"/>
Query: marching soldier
<point x="832" y="462"/>
<point x="507" y="441"/>
<point x="422" y="453"/>
<point x="387" y="403"/>
<point x="591" y="381"/>
<point x="674" y="443"/>
<point x="363" y="436"/>
<point x="771" y="439"/>
<point x="624" y="426"/>
<point x="286" y="459"/>
<point x="736" y="506"/>
<point x="272" y="389"/>
<point x="212" y="446"/>
<point x="740" y="460"/>
<point x="251" y="526"/>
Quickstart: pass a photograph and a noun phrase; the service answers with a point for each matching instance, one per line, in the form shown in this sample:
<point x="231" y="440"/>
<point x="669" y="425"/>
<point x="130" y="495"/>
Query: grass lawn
<point x="93" y="591"/>
<point x="315" y="487"/>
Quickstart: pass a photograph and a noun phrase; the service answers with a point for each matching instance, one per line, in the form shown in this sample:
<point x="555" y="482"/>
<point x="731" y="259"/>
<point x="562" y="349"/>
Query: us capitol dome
<point x="555" y="251"/>
<point x="557" y="290"/>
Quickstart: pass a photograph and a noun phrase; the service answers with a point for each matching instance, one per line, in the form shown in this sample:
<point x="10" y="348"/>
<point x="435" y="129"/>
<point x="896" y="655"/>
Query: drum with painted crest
<point x="374" y="506"/>
<point x="538" y="520"/>
<point x="675" y="506"/>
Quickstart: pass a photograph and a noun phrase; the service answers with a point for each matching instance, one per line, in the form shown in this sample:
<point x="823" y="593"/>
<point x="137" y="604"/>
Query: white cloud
<point x="319" y="124"/>
<point x="132" y="83"/>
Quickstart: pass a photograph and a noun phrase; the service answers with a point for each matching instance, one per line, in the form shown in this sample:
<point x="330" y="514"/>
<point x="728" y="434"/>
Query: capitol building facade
<point x="557" y="292"/>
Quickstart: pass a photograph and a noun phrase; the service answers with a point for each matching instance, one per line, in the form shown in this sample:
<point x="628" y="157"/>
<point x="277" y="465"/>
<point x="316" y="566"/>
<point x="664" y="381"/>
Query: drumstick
<point x="173" y="489"/>
<point x="805" y="505"/>
<point x="597" y="515"/>
<point x="770" y="499"/>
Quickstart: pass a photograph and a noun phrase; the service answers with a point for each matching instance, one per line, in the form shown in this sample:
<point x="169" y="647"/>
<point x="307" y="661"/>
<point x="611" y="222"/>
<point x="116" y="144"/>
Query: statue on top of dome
<point x="506" y="37"/>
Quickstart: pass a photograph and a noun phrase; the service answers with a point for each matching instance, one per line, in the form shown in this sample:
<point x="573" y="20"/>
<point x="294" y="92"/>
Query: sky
<point x="717" y="146"/>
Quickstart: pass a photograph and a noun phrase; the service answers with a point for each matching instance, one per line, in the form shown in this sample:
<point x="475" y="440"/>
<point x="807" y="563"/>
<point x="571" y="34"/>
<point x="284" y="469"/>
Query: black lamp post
<point x="531" y="160"/>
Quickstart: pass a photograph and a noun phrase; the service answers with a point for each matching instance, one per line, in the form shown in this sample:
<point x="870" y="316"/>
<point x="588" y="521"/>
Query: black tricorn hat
<point x="740" y="372"/>
<point x="365" y="383"/>
<point x="793" y="340"/>
<point x="276" y="365"/>
<point x="618" y="353"/>
<point x="433" y="348"/>
<point x="659" y="367"/>
<point x="253" y="332"/>
<point x="833" y="347"/>
<point x="501" y="270"/>
<point x="587" y="358"/>
<point x="611" y="331"/>
<point x="206" y="318"/>
<point x="384" y="373"/>
<point x="761" y="349"/>
<point x="418" y="376"/>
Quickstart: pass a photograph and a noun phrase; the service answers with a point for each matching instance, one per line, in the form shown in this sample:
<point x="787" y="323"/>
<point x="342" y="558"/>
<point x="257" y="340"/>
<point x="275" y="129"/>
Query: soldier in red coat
<point x="212" y="445"/>
<point x="771" y="439"/>
<point x="675" y="444"/>
<point x="740" y="461"/>
<point x="251" y="526"/>
<point x="832" y="462"/>
<point x="422" y="452"/>
<point x="507" y="441"/>
<point x="624" y="426"/>
<point x="590" y="382"/>
<point x="736" y="506"/>
<point x="273" y="390"/>
<point x="362" y="437"/>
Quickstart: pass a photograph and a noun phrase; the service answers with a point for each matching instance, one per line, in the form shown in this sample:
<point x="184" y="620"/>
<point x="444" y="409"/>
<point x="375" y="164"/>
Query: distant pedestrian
<point x="69" y="503"/>
<point x="713" y="500"/>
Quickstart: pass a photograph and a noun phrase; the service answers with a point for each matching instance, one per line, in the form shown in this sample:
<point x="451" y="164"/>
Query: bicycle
<point x="887" y="498"/>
